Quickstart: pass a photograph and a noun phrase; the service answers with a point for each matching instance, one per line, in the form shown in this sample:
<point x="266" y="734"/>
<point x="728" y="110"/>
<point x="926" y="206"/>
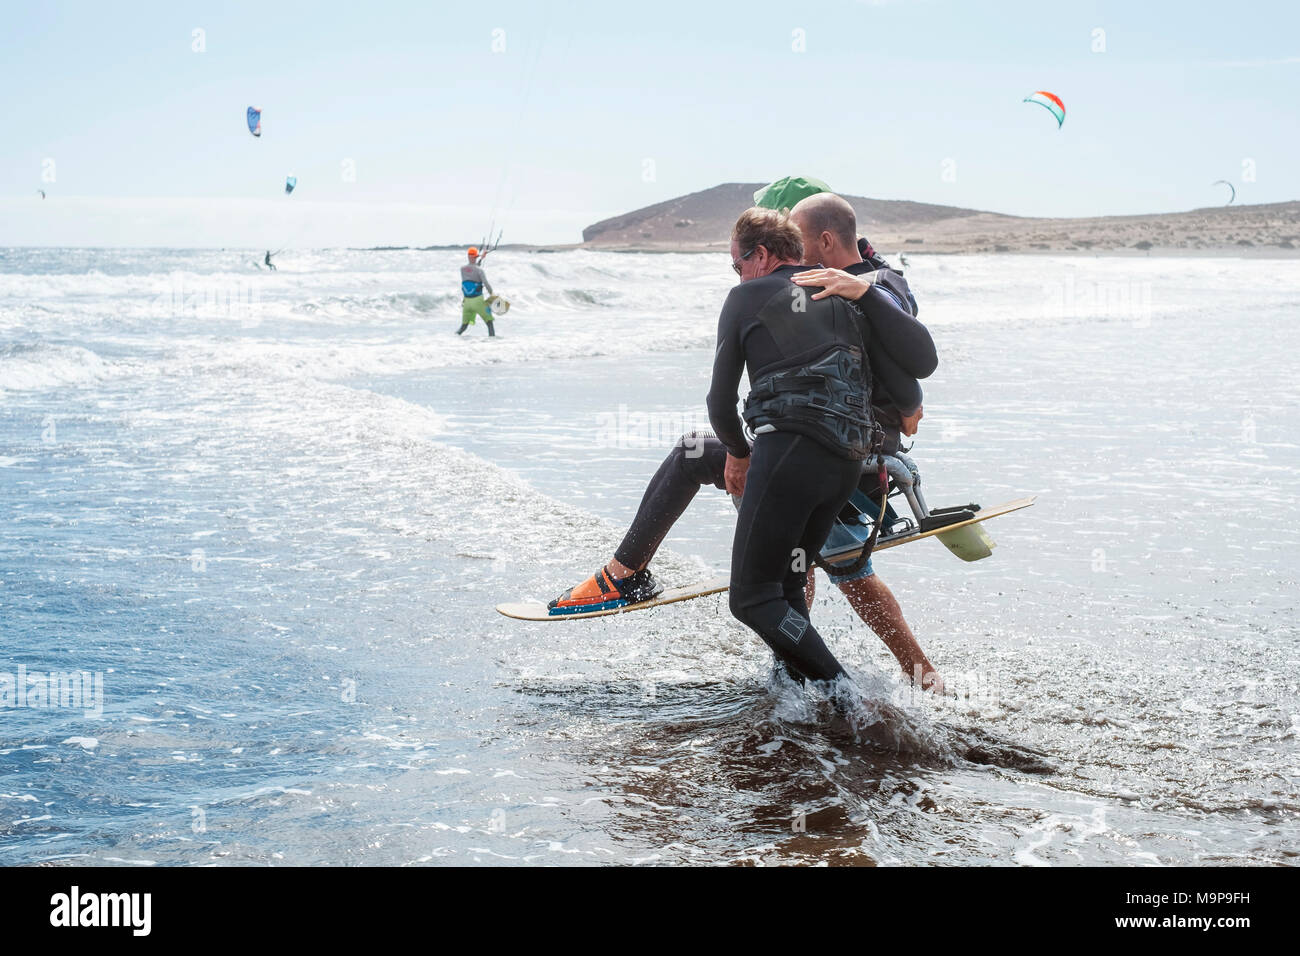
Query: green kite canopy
<point x="785" y="193"/>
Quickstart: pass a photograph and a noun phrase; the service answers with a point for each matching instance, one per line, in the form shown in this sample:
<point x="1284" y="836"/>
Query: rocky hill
<point x="702" y="222"/>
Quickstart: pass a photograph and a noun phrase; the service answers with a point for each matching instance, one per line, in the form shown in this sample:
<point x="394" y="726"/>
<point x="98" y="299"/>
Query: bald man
<point x="901" y="351"/>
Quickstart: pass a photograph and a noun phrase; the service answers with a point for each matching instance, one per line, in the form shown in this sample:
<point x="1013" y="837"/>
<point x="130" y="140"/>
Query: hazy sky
<point x="556" y="114"/>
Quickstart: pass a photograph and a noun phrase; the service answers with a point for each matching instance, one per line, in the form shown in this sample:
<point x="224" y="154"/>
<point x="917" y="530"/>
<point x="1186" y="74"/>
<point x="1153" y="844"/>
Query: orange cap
<point x="473" y="251"/>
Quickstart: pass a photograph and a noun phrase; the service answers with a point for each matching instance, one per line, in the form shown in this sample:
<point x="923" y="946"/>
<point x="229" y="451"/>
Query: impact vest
<point x="471" y="281"/>
<point x="821" y="387"/>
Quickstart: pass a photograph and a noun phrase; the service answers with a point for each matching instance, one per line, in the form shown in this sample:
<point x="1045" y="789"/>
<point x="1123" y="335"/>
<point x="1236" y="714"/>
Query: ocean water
<point x="269" y="515"/>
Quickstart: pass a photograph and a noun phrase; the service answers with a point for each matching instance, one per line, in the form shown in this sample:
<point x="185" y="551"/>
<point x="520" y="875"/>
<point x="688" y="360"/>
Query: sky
<point x="424" y="122"/>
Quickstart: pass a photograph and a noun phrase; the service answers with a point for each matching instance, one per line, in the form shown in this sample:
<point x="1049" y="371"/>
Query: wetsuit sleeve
<point x="899" y="282"/>
<point x="903" y="390"/>
<point x="728" y="364"/>
<point x="894" y="329"/>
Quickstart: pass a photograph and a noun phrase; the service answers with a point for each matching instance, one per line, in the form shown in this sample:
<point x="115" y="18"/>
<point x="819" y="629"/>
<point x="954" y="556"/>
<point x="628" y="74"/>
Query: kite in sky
<point x="1051" y="102"/>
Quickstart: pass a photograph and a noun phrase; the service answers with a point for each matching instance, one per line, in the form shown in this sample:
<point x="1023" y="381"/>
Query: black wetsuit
<point x="901" y="348"/>
<point x="699" y="458"/>
<point x="797" y="481"/>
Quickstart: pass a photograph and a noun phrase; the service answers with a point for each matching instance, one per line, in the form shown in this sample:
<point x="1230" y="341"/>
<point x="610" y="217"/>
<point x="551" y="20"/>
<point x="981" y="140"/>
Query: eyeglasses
<point x="735" y="263"/>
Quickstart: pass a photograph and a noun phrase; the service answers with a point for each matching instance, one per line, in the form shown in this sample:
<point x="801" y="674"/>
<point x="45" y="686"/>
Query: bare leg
<point x="617" y="570"/>
<point x="877" y="606"/>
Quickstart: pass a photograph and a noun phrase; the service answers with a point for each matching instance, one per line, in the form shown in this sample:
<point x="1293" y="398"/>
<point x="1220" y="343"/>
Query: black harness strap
<point x="861" y="561"/>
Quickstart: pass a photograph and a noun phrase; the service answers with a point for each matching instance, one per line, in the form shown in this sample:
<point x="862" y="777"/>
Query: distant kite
<point x="1230" y="186"/>
<point x="42" y="192"/>
<point x="289" y="184"/>
<point x="1051" y="102"/>
<point x="255" y="121"/>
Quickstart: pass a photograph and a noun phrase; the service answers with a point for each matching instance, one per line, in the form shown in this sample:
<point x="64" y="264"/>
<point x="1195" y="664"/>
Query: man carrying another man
<point x="900" y="351"/>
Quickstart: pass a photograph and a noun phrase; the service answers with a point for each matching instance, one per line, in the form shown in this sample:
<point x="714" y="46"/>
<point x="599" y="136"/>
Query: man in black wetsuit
<point x="828" y="229"/>
<point x="809" y="409"/>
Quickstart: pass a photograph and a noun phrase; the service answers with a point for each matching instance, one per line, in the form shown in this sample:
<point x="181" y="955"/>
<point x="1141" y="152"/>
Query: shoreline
<point x="1234" y="252"/>
<point x="889" y="251"/>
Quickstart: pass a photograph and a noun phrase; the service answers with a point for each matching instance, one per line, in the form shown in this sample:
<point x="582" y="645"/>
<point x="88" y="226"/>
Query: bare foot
<point x="933" y="682"/>
<point x="930" y="681"/>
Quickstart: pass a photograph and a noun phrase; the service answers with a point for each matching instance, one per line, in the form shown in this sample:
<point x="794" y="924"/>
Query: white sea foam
<point x="235" y="517"/>
<point x="38" y="366"/>
<point x="332" y="315"/>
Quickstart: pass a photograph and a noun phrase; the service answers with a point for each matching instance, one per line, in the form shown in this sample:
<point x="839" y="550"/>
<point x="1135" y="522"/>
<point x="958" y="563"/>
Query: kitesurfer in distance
<point x="473" y="282"/>
<point x="270" y="265"/>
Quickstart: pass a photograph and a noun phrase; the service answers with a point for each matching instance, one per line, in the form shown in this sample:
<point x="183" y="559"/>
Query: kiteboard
<point x="966" y="539"/>
<point x="498" y="305"/>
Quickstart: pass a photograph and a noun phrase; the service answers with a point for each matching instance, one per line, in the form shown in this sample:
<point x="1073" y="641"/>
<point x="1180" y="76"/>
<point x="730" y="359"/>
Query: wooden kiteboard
<point x="966" y="539"/>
